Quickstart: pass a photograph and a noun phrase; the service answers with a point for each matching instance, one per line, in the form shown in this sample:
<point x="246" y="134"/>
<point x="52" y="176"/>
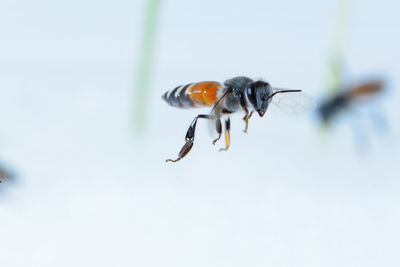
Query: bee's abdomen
<point x="178" y="97"/>
<point x="193" y="95"/>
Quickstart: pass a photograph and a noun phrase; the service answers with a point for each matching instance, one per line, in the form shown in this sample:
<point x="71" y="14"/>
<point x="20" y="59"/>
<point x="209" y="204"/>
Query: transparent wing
<point x="212" y="127"/>
<point x="291" y="103"/>
<point x="215" y="116"/>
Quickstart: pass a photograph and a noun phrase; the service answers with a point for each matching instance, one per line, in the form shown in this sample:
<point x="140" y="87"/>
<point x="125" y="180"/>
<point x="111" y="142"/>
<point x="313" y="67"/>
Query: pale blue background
<point x="90" y="193"/>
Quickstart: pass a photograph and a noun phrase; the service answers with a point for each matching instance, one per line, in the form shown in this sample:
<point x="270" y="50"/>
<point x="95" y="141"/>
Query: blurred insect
<point x="239" y="93"/>
<point x="366" y="90"/>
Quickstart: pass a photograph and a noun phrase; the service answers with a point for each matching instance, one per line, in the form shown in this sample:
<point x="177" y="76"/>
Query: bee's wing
<point x="216" y="114"/>
<point x="291" y="103"/>
<point x="212" y="126"/>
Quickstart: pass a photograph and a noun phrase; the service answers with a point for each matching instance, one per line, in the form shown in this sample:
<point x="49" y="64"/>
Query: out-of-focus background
<point x="91" y="186"/>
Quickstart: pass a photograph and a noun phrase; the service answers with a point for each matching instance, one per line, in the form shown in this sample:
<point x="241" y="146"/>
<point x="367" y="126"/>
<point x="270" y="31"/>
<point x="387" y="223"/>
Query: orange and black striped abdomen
<point x="366" y="88"/>
<point x="201" y="94"/>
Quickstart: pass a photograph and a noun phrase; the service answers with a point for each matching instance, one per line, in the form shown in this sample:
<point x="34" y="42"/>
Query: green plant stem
<point x="339" y="38"/>
<point x="146" y="56"/>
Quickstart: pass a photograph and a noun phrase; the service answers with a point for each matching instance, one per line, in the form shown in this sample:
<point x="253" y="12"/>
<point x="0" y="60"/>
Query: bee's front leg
<point x="246" y="120"/>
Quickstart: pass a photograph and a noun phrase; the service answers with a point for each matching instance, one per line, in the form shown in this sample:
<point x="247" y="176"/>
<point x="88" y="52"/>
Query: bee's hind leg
<point x="227" y="135"/>
<point x="189" y="139"/>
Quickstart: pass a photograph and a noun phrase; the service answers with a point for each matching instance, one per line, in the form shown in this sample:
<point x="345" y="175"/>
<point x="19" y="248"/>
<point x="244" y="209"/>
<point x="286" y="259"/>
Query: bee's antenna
<point x="278" y="91"/>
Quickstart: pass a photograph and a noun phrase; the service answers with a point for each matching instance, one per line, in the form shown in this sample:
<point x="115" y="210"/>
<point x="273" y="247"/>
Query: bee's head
<point x="259" y="94"/>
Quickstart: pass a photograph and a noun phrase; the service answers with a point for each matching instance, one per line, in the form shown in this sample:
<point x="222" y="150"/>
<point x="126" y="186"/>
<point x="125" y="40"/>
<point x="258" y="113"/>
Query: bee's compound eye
<point x="251" y="95"/>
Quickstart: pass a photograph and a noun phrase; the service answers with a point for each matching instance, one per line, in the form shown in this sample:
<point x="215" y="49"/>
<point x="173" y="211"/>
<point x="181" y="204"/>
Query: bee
<point x="236" y="94"/>
<point x="331" y="107"/>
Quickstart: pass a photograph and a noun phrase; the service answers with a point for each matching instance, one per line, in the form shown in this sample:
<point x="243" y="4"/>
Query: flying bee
<point x="347" y="97"/>
<point x="239" y="93"/>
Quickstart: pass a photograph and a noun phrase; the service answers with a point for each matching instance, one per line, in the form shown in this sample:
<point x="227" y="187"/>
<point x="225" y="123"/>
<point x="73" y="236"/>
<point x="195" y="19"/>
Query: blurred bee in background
<point x="236" y="94"/>
<point x="349" y="96"/>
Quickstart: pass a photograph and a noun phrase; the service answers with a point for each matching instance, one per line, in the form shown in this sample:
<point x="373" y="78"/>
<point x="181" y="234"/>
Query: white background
<point x="90" y="192"/>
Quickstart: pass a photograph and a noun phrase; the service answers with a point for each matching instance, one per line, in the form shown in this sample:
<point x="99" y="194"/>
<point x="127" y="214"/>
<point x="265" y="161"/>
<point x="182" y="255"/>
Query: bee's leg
<point x="227" y="135"/>
<point x="246" y="112"/>
<point x="218" y="127"/>
<point x="246" y="117"/>
<point x="246" y="120"/>
<point x="189" y="138"/>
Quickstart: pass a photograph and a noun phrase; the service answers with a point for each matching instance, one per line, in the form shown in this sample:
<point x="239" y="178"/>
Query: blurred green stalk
<point x="146" y="55"/>
<point x="339" y="38"/>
